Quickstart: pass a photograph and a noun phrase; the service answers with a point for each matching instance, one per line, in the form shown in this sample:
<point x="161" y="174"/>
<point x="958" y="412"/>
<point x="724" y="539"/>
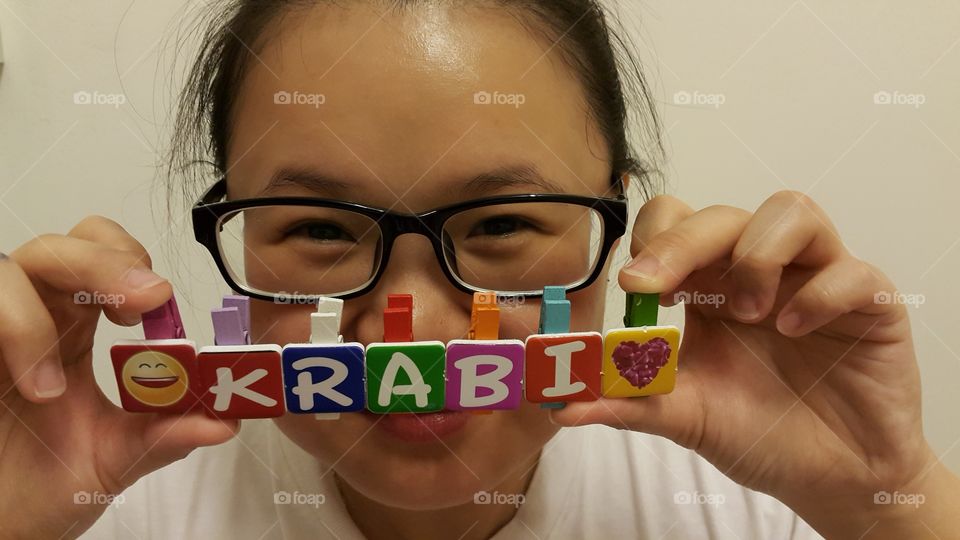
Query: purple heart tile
<point x="640" y="364"/>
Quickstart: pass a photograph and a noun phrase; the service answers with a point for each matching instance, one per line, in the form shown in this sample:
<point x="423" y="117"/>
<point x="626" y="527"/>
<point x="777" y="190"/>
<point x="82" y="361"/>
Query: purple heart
<point x="640" y="364"/>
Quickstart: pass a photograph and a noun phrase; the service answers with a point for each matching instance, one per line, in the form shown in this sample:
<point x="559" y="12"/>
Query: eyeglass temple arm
<point x="215" y="193"/>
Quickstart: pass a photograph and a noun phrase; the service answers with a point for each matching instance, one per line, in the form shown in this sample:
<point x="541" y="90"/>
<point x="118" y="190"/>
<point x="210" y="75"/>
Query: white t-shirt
<point x="592" y="482"/>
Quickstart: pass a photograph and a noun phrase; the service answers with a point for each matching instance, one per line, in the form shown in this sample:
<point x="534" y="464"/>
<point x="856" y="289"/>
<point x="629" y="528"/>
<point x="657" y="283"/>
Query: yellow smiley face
<point x="155" y="378"/>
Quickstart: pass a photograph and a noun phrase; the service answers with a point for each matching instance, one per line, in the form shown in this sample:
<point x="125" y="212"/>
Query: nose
<point x="440" y="310"/>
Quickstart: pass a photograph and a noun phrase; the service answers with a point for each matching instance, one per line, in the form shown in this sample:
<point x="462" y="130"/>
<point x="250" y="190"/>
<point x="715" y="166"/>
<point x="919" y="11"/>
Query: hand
<point x="59" y="435"/>
<point x="800" y="384"/>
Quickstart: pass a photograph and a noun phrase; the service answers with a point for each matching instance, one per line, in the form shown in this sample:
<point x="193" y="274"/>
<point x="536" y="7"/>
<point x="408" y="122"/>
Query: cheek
<point x="279" y="323"/>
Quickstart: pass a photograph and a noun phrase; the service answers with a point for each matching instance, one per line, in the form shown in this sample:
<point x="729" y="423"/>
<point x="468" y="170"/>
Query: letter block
<point x="640" y="361"/>
<point x="405" y="377"/>
<point x="156" y="375"/>
<point x="563" y="367"/>
<point x="484" y="374"/>
<point x="242" y="381"/>
<point x="324" y="378"/>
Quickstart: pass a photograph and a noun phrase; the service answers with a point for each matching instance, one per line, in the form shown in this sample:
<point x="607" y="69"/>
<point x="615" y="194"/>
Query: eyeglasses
<point x="298" y="249"/>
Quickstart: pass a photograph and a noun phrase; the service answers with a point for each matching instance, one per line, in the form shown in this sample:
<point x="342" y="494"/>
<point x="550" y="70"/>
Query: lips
<point x="155" y="382"/>
<point x="421" y="427"/>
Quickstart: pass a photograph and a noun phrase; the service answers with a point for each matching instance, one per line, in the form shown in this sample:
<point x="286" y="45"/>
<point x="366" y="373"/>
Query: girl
<point x="798" y="401"/>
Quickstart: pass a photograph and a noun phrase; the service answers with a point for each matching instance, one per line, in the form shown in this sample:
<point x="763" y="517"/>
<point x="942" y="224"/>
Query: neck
<point x="466" y="521"/>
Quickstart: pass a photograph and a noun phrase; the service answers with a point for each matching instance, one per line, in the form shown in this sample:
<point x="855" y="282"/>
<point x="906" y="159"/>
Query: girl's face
<point x="400" y="128"/>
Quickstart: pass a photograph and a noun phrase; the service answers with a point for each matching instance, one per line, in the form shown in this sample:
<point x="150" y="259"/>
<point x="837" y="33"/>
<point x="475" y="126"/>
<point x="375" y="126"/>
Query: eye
<point x="144" y="365"/>
<point x="160" y="364"/>
<point x="499" y="226"/>
<point x="321" y="231"/>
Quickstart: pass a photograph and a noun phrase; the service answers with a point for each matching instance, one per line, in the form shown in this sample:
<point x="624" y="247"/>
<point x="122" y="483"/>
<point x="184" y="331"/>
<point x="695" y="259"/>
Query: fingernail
<point x="747" y="306"/>
<point x="48" y="380"/>
<point x="789" y="323"/>
<point x="644" y="266"/>
<point x="140" y="279"/>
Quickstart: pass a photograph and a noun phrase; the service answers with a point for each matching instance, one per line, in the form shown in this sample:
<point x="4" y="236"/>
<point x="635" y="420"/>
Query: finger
<point x="677" y="416"/>
<point x="110" y="233"/>
<point x="28" y="337"/>
<point x="843" y="287"/>
<point x="657" y="215"/>
<point x="138" y="444"/>
<point x="788" y="228"/>
<point x="696" y="242"/>
<point x="92" y="272"/>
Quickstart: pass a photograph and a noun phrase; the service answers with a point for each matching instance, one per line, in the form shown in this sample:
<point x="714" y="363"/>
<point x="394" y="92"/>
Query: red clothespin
<point x="163" y="322"/>
<point x="398" y="318"/>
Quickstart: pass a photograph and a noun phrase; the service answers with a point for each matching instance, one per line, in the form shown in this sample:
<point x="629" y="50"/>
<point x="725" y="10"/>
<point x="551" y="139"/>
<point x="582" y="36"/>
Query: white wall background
<point x="797" y="80"/>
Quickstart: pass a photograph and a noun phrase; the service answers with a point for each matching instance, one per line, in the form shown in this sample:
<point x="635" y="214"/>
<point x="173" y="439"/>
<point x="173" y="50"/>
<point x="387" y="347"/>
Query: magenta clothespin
<point x="231" y="323"/>
<point x="163" y="322"/>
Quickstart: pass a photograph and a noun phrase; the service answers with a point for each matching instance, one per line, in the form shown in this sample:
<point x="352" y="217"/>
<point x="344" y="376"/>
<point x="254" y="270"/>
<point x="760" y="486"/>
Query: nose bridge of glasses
<point x="421" y="224"/>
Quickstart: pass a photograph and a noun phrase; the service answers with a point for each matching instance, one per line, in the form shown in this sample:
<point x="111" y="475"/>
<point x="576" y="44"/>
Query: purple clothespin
<point x="231" y="323"/>
<point x="163" y="322"/>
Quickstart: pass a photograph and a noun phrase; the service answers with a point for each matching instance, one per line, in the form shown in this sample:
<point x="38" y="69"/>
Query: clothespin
<point x="163" y="322"/>
<point x="325" y="322"/>
<point x="554" y="319"/>
<point x="484" y="316"/>
<point x="641" y="309"/>
<point x="325" y="328"/>
<point x="554" y="311"/>
<point x="398" y="318"/>
<point x="231" y="323"/>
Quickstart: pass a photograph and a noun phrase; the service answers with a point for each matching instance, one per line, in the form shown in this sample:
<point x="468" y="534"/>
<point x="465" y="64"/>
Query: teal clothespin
<point x="641" y="309"/>
<point x="554" y="319"/>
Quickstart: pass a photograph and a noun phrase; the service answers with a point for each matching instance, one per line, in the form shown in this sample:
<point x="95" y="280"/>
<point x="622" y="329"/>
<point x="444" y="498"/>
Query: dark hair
<point x="235" y="29"/>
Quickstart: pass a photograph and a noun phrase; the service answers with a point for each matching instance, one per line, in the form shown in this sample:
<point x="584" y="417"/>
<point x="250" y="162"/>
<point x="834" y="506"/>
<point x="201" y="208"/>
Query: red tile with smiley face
<point x="158" y="375"/>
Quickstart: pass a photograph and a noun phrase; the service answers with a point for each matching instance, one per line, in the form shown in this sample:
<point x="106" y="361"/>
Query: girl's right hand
<point x="64" y="447"/>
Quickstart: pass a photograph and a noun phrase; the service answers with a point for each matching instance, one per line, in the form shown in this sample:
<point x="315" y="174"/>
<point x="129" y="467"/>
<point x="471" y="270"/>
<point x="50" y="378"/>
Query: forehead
<point x="405" y="103"/>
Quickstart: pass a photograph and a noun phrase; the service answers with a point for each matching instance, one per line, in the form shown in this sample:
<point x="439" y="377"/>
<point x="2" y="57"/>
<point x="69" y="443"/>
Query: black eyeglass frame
<point x="208" y="212"/>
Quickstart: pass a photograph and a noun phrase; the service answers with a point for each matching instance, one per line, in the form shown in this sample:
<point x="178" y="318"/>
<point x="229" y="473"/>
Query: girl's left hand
<point x="803" y="384"/>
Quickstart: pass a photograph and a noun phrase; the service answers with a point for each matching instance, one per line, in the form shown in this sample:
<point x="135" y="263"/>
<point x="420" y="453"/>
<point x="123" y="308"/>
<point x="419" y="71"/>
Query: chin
<point x="426" y="462"/>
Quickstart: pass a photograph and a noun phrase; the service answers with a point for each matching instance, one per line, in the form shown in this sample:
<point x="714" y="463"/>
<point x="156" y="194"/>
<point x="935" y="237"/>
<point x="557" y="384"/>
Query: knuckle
<point x="668" y="241"/>
<point x="90" y="224"/>
<point x="753" y="261"/>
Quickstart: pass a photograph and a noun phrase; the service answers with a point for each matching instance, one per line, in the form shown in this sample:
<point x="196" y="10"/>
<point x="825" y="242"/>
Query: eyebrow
<point x="483" y="184"/>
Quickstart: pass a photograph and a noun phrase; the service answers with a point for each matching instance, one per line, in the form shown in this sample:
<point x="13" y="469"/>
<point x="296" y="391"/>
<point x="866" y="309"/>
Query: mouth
<point x="420" y="427"/>
<point x="155" y="382"/>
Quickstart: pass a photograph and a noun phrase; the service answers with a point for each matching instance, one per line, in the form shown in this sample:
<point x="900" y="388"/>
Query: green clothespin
<point x="641" y="309"/>
<point x="554" y="319"/>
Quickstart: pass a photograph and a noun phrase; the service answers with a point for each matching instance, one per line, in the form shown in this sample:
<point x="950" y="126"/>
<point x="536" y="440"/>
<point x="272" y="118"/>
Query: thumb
<point x="678" y="416"/>
<point x="139" y="444"/>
